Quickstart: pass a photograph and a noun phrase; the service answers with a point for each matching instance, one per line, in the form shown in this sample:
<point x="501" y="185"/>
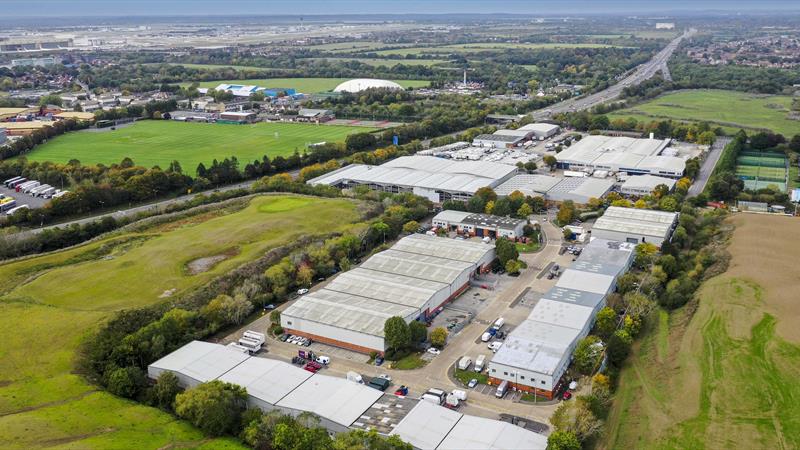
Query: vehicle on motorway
<point x="434" y="351"/>
<point x="472" y="383"/>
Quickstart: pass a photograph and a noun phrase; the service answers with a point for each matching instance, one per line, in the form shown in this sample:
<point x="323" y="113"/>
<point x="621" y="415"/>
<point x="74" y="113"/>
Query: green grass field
<point x="211" y="66"/>
<point x="384" y="62"/>
<point x="344" y="47"/>
<point x="725" y="377"/>
<point x="50" y="303"/>
<point x="482" y="47"/>
<point x="305" y="85"/>
<point x="155" y="142"/>
<point x="731" y="109"/>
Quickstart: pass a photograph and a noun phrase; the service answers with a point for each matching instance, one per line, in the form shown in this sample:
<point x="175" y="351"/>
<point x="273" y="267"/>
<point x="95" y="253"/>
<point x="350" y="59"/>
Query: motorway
<point x="641" y="73"/>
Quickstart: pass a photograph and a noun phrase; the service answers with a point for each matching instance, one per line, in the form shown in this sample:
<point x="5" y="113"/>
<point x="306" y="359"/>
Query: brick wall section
<point x="521" y="387"/>
<point x="334" y="342"/>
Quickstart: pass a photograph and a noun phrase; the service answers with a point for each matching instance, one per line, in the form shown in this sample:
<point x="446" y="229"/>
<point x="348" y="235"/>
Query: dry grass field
<point x="726" y="375"/>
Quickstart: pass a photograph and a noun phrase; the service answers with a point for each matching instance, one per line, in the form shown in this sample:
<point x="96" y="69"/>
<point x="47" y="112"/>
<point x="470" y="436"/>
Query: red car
<point x="310" y="368"/>
<point x="567" y="395"/>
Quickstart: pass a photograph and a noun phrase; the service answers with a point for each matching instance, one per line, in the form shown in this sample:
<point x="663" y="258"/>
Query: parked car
<point x="402" y="390"/>
<point x="269" y="307"/>
<point x="472" y="383"/>
<point x="379" y="383"/>
<point x="323" y="360"/>
<point x="494" y="346"/>
<point x="307" y="342"/>
<point x="486" y="337"/>
<point x="378" y="360"/>
<point x="567" y="395"/>
<point x="302" y="291"/>
<point x="284" y="337"/>
<point x="385" y="377"/>
<point x="434" y="351"/>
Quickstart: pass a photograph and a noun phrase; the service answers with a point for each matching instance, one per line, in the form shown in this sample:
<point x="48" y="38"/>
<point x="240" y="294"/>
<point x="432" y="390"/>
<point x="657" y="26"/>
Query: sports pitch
<point x="156" y="142"/>
<point x="50" y="301"/>
<point x="305" y="85"/>
<point x="760" y="170"/>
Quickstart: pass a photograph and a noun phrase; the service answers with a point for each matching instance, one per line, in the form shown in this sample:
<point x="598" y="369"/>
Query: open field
<point x="49" y="304"/>
<point x="345" y="47"/>
<point x="730" y="109"/>
<point x="385" y="62"/>
<point x="305" y="85"/>
<point x="726" y="376"/>
<point x="482" y="47"/>
<point x="155" y="142"/>
<point x="211" y="66"/>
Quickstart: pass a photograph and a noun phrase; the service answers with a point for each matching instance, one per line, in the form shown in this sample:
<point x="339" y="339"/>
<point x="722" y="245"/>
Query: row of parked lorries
<point x="250" y="343"/>
<point x="34" y="188"/>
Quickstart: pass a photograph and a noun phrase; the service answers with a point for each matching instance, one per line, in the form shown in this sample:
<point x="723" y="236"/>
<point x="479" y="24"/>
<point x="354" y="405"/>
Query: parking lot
<point x="23" y="199"/>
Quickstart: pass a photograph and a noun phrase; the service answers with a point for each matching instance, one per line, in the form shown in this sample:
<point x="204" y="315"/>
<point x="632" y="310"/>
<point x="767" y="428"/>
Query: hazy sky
<point x="73" y="8"/>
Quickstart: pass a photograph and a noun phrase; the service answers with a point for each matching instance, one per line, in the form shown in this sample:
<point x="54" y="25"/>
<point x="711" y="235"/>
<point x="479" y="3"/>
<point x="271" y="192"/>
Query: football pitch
<point x="150" y="143"/>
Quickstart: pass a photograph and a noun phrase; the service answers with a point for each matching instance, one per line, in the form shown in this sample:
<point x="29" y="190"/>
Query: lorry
<point x="18" y="208"/>
<point x="435" y="396"/>
<point x="479" y="363"/>
<point x="255" y="336"/>
<point x="44" y="193"/>
<point x="5" y="207"/>
<point x="459" y="394"/>
<point x="35" y="191"/>
<point x="354" y="377"/>
<point x="251" y="345"/>
<point x="238" y="348"/>
<point x="498" y="324"/>
<point x="464" y="363"/>
<point x="11" y="180"/>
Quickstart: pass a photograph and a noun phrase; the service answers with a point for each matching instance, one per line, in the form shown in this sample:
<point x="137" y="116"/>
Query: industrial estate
<point x="462" y="231"/>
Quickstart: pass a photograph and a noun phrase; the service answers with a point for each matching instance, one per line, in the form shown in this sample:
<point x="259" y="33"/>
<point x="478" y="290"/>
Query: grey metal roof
<point x="647" y="182"/>
<point x="536" y="346"/>
<point x="466" y="251"/>
<point x="385" y="414"/>
<point x="562" y="314"/>
<point x="597" y="283"/>
<point x="356" y="313"/>
<point x="540" y="127"/>
<point x="201" y="361"/>
<point x="498" y="138"/>
<point x="268" y="380"/>
<point x="427" y="425"/>
<point x="489" y="220"/>
<point x="384" y="286"/>
<point x="605" y="257"/>
<point x="335" y="399"/>
<point x="449" y="215"/>
<point x="573" y="296"/>
<point x="579" y="190"/>
<point x="479" y="433"/>
<point x="416" y="265"/>
<point x="528" y="184"/>
<point x="636" y="221"/>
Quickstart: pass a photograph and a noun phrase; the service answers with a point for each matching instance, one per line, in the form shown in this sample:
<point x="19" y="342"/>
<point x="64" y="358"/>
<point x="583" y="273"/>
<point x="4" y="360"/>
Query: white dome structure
<point x="362" y="84"/>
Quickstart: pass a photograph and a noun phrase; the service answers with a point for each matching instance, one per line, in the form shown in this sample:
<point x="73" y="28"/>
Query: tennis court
<point x="762" y="169"/>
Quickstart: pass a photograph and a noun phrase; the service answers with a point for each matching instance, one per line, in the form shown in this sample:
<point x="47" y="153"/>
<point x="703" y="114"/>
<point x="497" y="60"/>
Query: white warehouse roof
<point x="478" y="433"/>
<point x="426" y="267"/>
<point x="362" y="84"/>
<point x="335" y="399"/>
<point x="561" y="314"/>
<point x="268" y="380"/>
<point x="198" y="361"/>
<point x="467" y="251"/>
<point x="635" y="221"/>
<point x="646" y="183"/>
<point x="424" y="172"/>
<point x="427" y="425"/>
<point x="622" y="154"/>
<point x="389" y="287"/>
<point x="586" y="281"/>
<point x="528" y="184"/>
<point x="540" y="128"/>
<point x="605" y="257"/>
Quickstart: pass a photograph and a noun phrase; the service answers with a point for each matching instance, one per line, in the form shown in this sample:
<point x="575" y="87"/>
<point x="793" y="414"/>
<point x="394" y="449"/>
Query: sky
<point x="120" y="8"/>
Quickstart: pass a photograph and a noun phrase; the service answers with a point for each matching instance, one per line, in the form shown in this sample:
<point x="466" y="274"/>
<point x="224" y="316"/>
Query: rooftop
<point x="580" y="280"/>
<point x="388" y="287"/>
<point x="490" y="220"/>
<point x="636" y="221"/>
<point x="335" y="399"/>
<point x="647" y="182"/>
<point x="539" y="127"/>
<point x="536" y="346"/>
<point x="573" y="296"/>
<point x="386" y="413"/>
<point x="465" y="251"/>
<point x="478" y="433"/>
<point x="562" y="314"/>
<point x="579" y="189"/>
<point x="268" y="380"/>
<point x="431" y="268"/>
<point x="201" y="361"/>
<point x="605" y="257"/>
<point x="528" y="184"/>
<point x="498" y="137"/>
<point x="427" y="425"/>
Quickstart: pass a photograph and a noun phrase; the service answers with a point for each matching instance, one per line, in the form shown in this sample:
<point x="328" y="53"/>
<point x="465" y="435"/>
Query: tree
<point x="563" y="440"/>
<point x="51" y="99"/>
<point x="794" y="144"/>
<point x="668" y="203"/>
<point x="524" y="211"/>
<point x="619" y="347"/>
<point x="606" y="323"/>
<point x="305" y="275"/>
<point x="380" y="228"/>
<point x="125" y="381"/>
<point x="419" y="332"/>
<point x="551" y="161"/>
<point x="506" y="250"/>
<point x="227" y="310"/>
<point x="576" y="417"/>
<point x="214" y="407"/>
<point x="486" y="194"/>
<point x="502" y="207"/>
<point x="587" y="354"/>
<point x="165" y="390"/>
<point x="438" y="337"/>
<point x="513" y="267"/>
<point x="645" y="252"/>
<point x="660" y="190"/>
<point x="358" y="439"/>
<point x="489" y="207"/>
<point x="397" y="334"/>
<point x="567" y="233"/>
<point x="566" y="212"/>
<point x="411" y="226"/>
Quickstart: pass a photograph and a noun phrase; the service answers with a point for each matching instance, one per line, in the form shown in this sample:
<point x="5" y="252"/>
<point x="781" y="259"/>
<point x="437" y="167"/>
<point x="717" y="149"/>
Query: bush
<point x="214" y="407"/>
<point x="439" y="337"/>
<point x="125" y="381"/>
<point x="164" y="391"/>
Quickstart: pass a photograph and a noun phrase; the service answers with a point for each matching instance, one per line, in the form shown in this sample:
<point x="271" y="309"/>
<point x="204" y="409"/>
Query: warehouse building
<point x="428" y="426"/>
<point x="541" y="130"/>
<point x="645" y="184"/>
<point x="578" y="189"/>
<point x="436" y="179"/>
<point x="340" y="405"/>
<point x="622" y="154"/>
<point x="197" y="362"/>
<point x="237" y="117"/>
<point x="524" y="134"/>
<point x="480" y="225"/>
<point x="497" y="140"/>
<point x="635" y="225"/>
<point x="411" y="280"/>
<point x="537" y="353"/>
<point x="315" y="115"/>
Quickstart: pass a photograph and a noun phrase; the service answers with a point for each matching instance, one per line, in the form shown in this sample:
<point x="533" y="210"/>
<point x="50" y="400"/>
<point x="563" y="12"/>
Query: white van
<point x="501" y="390"/>
<point x="486" y="337"/>
<point x="324" y="360"/>
<point x="479" y="363"/>
<point x="464" y="363"/>
<point x="495" y="346"/>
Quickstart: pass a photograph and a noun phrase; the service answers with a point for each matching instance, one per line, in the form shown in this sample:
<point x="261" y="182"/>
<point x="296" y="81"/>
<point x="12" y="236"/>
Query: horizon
<point x="234" y="8"/>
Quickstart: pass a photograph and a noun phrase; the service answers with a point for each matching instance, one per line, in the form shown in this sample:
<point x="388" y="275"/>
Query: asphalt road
<point x="708" y="166"/>
<point x="640" y="74"/>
